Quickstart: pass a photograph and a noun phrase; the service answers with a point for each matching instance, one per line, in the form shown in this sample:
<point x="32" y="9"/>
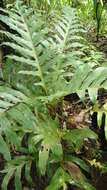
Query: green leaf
<point x="57" y="149"/>
<point x="93" y="93"/>
<point x="81" y="94"/>
<point x="99" y="118"/>
<point x="18" y="184"/>
<point x="43" y="158"/>
<point x="11" y="136"/>
<point x="87" y="185"/>
<point x="33" y="73"/>
<point x="48" y="133"/>
<point x="23" y="115"/>
<point x="7" y="178"/>
<point x="80" y="163"/>
<point x="27" y="172"/>
<point x="78" y="134"/>
<point x="4" y="149"/>
<point x="59" y="180"/>
<point x="20" y="21"/>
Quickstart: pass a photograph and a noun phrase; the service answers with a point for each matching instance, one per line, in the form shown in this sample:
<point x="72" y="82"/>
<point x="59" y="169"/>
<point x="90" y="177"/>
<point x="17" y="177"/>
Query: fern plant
<point x="49" y="61"/>
<point x="48" y="55"/>
<point x="43" y="147"/>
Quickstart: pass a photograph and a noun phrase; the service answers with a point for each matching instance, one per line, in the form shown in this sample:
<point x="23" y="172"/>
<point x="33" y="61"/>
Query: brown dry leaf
<point x="74" y="171"/>
<point x="79" y="118"/>
<point x="82" y="118"/>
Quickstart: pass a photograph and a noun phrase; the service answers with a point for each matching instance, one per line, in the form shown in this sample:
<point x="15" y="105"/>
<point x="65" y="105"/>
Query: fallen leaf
<point x="74" y="171"/>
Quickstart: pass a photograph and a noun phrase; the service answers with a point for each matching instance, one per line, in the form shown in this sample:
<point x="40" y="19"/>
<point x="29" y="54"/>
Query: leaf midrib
<point x="35" y="54"/>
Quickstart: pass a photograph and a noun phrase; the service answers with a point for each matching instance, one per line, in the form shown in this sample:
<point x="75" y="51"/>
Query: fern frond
<point x="53" y="65"/>
<point x="68" y="31"/>
<point x="25" y="44"/>
<point x="89" y="78"/>
<point x="9" y="98"/>
<point x="84" y="78"/>
<point x="14" y="168"/>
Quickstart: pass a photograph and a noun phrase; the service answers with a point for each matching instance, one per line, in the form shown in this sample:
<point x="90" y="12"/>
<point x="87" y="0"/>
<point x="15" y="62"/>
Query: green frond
<point x="24" y="40"/>
<point x="9" y="98"/>
<point x="52" y="58"/>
